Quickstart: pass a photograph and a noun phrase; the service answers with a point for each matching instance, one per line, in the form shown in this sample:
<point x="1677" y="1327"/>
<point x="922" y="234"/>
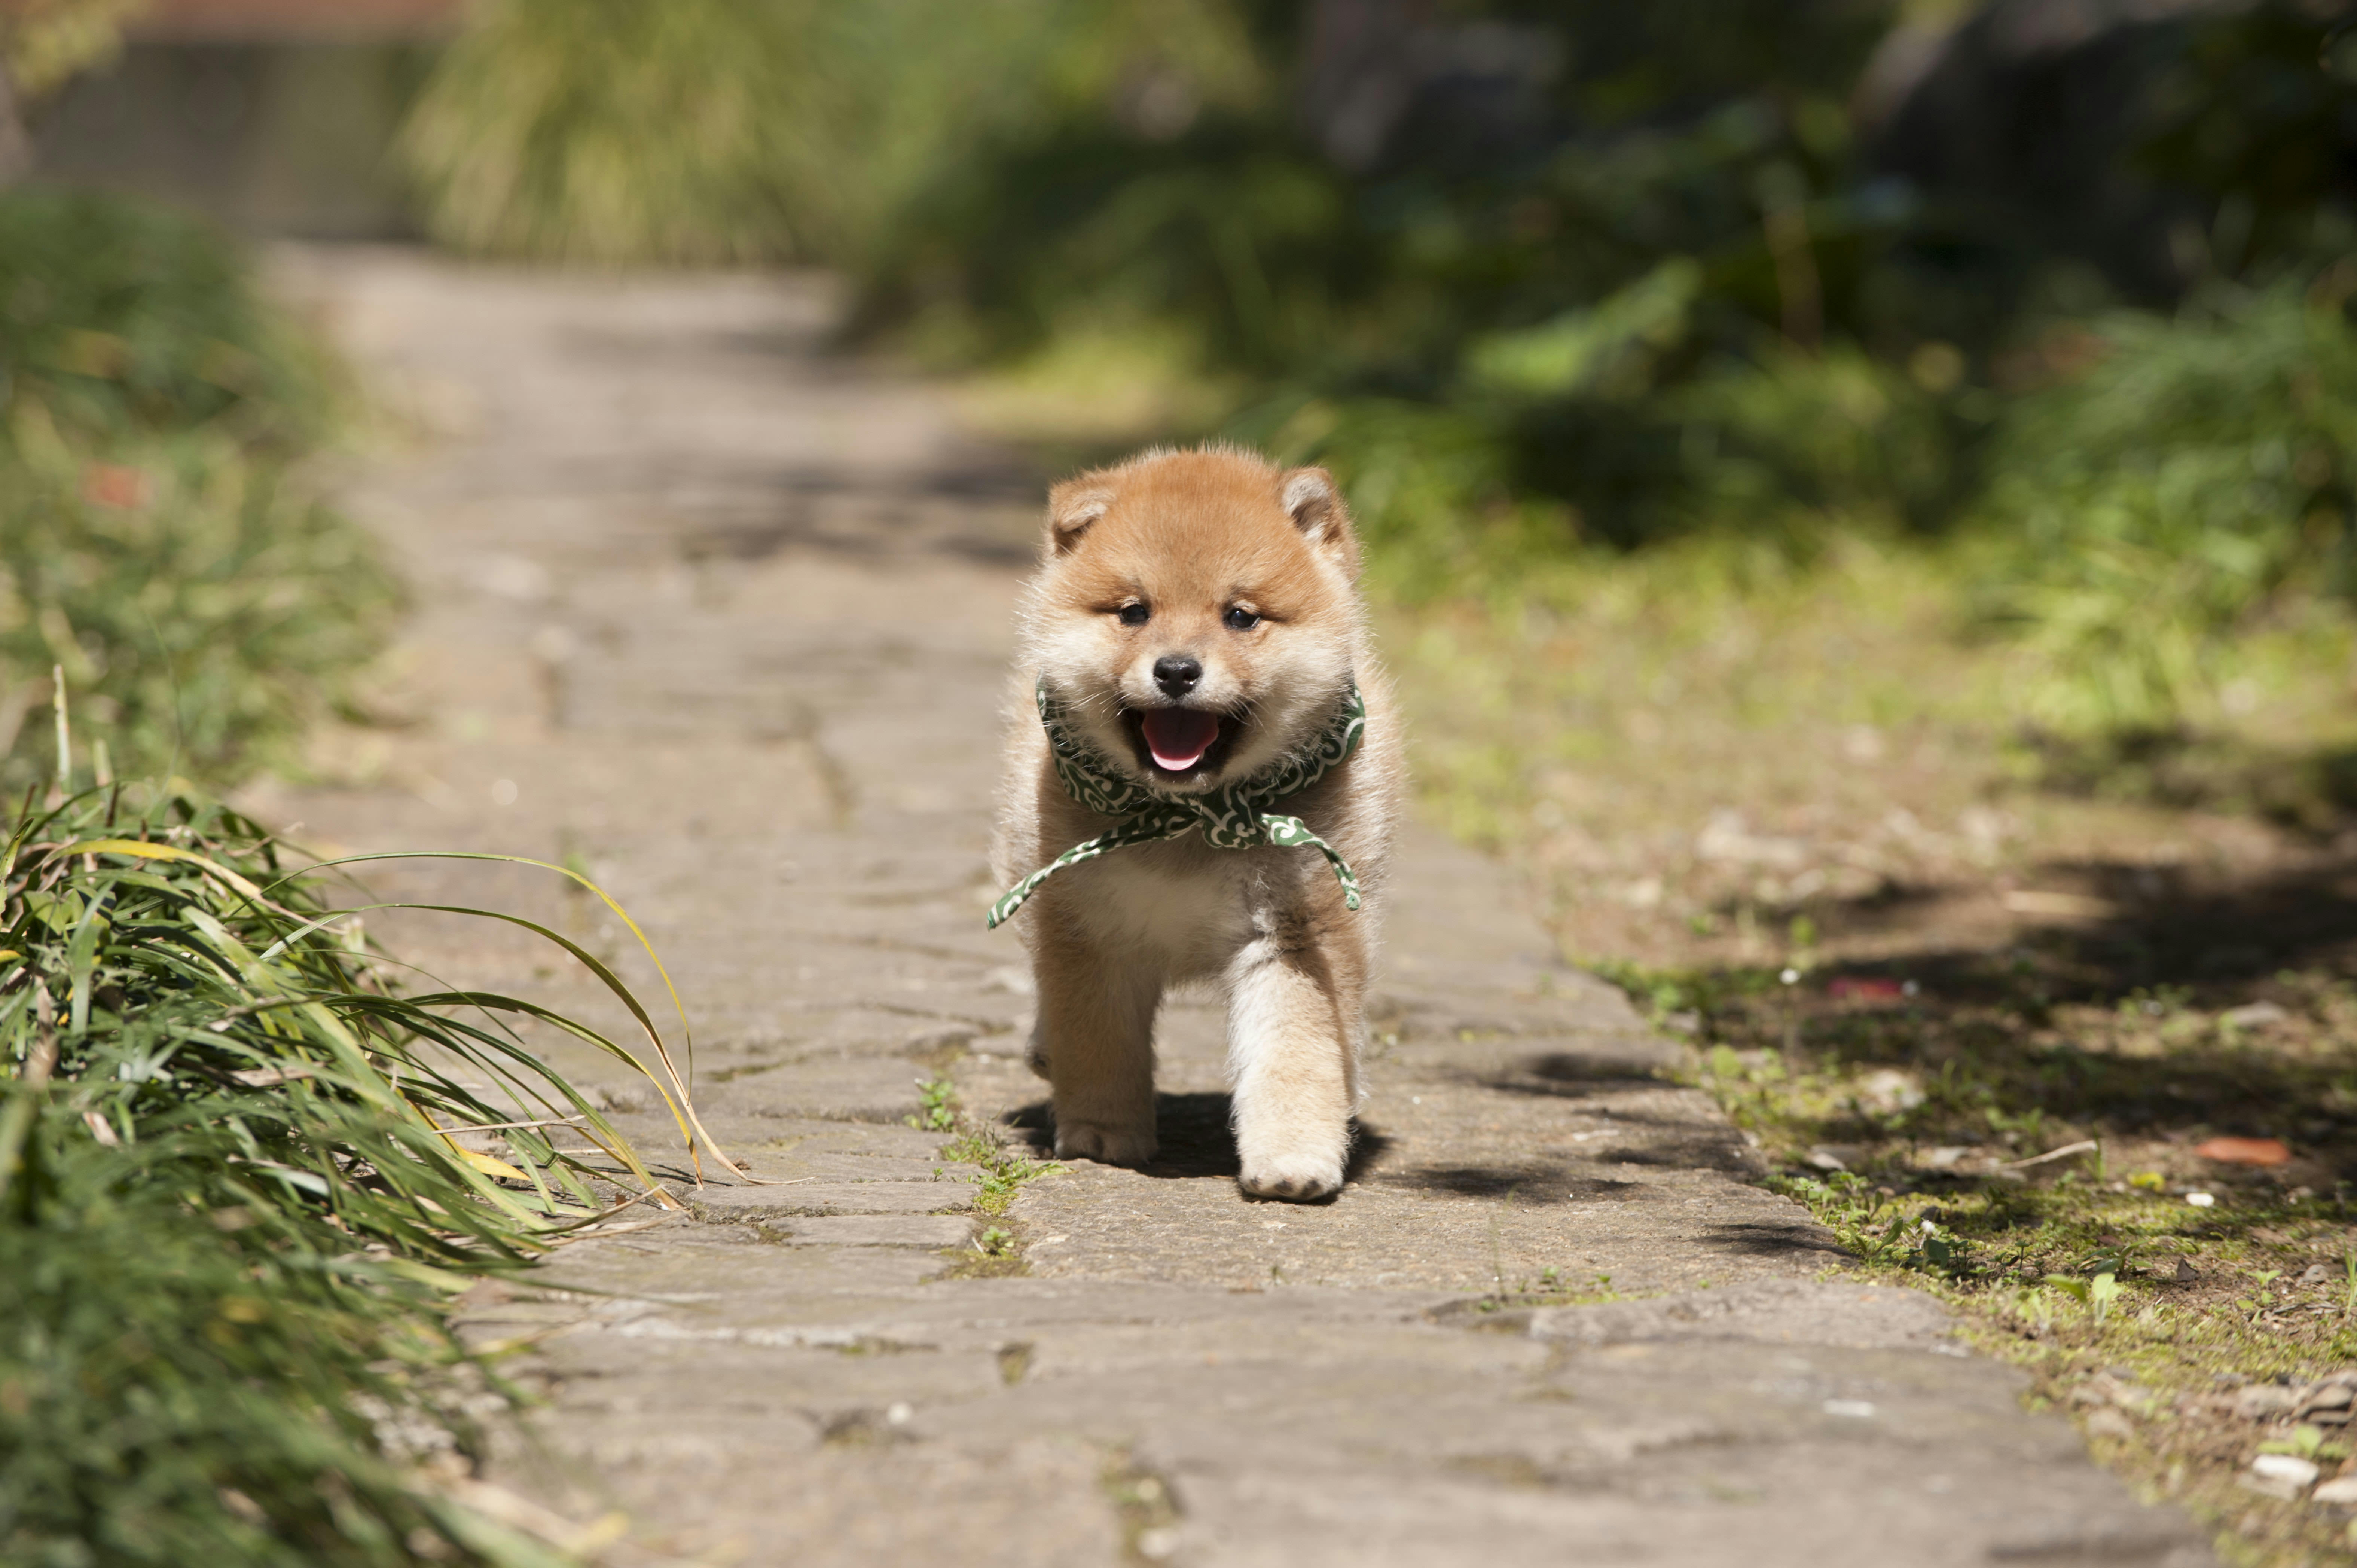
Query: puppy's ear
<point x="1072" y="507"/>
<point x="1316" y="507"/>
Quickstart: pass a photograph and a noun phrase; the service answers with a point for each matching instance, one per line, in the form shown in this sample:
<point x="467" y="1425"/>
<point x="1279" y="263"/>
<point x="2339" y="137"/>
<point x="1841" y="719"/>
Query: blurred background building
<point x="277" y="116"/>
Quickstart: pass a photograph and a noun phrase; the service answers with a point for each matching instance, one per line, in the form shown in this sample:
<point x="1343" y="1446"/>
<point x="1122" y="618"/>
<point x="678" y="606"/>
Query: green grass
<point x="159" y="540"/>
<point x="596" y="131"/>
<point x="1004" y="1171"/>
<point x="237" y="1190"/>
<point x="206" y="607"/>
<point x="2145" y="513"/>
<point x="1001" y="1172"/>
<point x="120" y="316"/>
<point x="936" y="1106"/>
<point x="737" y="131"/>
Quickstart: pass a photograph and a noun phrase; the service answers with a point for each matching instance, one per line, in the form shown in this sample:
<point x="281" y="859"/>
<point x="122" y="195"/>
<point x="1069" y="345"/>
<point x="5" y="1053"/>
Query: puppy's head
<point x="1195" y="613"/>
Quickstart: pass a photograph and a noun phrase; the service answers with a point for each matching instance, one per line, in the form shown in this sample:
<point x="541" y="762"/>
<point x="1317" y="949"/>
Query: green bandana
<point x="1235" y="818"/>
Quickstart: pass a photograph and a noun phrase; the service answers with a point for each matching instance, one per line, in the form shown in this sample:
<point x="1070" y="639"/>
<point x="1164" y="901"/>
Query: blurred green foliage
<point x="748" y="130"/>
<point x="1540" y="279"/>
<point x="181" y="1397"/>
<point x="118" y="318"/>
<point x="43" y="42"/>
<point x="2139" y="511"/>
<point x="204" y="606"/>
<point x="612" y="129"/>
<point x="159" y="543"/>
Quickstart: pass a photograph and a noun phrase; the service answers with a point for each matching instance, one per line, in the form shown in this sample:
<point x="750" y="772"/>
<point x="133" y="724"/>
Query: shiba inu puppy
<point x="1202" y="768"/>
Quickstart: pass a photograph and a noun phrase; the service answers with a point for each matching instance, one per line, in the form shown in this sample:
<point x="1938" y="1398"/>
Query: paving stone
<point x="1777" y="1311"/>
<point x="756" y="687"/>
<point x="744" y="1204"/>
<point x="930" y="1230"/>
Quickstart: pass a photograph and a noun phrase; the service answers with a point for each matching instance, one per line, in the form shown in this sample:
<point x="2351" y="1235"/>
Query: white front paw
<point x="1106" y="1145"/>
<point x="1299" y="1179"/>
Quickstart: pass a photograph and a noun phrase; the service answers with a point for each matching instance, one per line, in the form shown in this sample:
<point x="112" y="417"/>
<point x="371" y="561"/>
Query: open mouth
<point x="1180" y="743"/>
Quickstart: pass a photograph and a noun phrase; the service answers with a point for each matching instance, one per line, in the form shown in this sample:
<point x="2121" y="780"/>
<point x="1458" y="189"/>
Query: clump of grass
<point x="997" y="1251"/>
<point x="936" y="1106"/>
<point x="1004" y="1171"/>
<point x="206" y="605"/>
<point x="120" y="316"/>
<point x="2146" y="511"/>
<point x="596" y="131"/>
<point x="239" y="1175"/>
<point x="156" y="542"/>
<point x="734" y="131"/>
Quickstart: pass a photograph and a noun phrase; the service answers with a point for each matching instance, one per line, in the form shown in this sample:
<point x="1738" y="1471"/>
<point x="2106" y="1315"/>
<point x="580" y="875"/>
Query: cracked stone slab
<point x="1775" y="1312"/>
<point x="807" y="1199"/>
<point x="934" y="1232"/>
<point x="726" y="617"/>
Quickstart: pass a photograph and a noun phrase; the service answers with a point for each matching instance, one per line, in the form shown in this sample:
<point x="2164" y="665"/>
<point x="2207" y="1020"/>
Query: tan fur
<point x="1190" y="535"/>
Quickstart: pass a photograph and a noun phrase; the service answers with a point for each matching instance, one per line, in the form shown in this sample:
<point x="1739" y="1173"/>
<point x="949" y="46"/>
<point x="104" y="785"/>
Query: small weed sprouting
<point x="1945" y="1255"/>
<point x="1002" y="1177"/>
<point x="937" y="1108"/>
<point x="2095" y="1294"/>
<point x="1551" y="1288"/>
<point x="1001" y="1174"/>
<point x="1003" y="1171"/>
<point x="1862" y="1217"/>
<point x="996" y="1253"/>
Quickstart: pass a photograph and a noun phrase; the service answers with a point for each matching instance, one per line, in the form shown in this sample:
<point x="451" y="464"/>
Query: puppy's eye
<point x="1239" y="619"/>
<point x="1134" y="615"/>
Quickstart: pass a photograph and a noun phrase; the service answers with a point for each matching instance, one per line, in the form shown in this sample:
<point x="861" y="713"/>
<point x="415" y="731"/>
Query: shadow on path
<point x="1197" y="1139"/>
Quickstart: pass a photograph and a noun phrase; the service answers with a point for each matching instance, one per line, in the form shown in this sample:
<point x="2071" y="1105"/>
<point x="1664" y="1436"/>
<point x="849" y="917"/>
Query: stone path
<point x="724" y="618"/>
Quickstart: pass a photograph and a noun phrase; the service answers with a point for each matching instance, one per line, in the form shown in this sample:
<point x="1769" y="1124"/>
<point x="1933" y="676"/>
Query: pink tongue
<point x="1178" y="737"/>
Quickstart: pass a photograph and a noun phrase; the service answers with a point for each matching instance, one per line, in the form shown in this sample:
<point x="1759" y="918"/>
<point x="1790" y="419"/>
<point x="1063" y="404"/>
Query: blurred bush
<point x="205" y="606"/>
<point x="1541" y="279"/>
<point x="158" y="543"/>
<point x="119" y="316"/>
<point x="730" y="131"/>
<point x="43" y="42"/>
<point x="2142" y="512"/>
<point x="611" y="130"/>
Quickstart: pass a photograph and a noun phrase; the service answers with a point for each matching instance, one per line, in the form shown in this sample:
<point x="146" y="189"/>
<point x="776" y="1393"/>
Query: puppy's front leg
<point x="1096" y="1036"/>
<point x="1289" y="1055"/>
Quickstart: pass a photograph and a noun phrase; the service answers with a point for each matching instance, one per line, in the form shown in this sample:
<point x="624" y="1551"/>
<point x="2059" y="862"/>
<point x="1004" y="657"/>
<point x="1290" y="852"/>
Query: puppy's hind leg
<point x="1289" y="1055"/>
<point x="1095" y="1041"/>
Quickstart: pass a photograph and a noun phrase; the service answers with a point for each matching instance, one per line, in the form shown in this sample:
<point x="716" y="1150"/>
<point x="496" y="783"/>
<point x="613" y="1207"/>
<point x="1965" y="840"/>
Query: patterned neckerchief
<point x="1235" y="817"/>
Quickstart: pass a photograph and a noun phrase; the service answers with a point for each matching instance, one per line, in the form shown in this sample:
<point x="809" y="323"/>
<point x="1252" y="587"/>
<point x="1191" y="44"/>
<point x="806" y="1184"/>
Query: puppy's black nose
<point x="1177" y="674"/>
